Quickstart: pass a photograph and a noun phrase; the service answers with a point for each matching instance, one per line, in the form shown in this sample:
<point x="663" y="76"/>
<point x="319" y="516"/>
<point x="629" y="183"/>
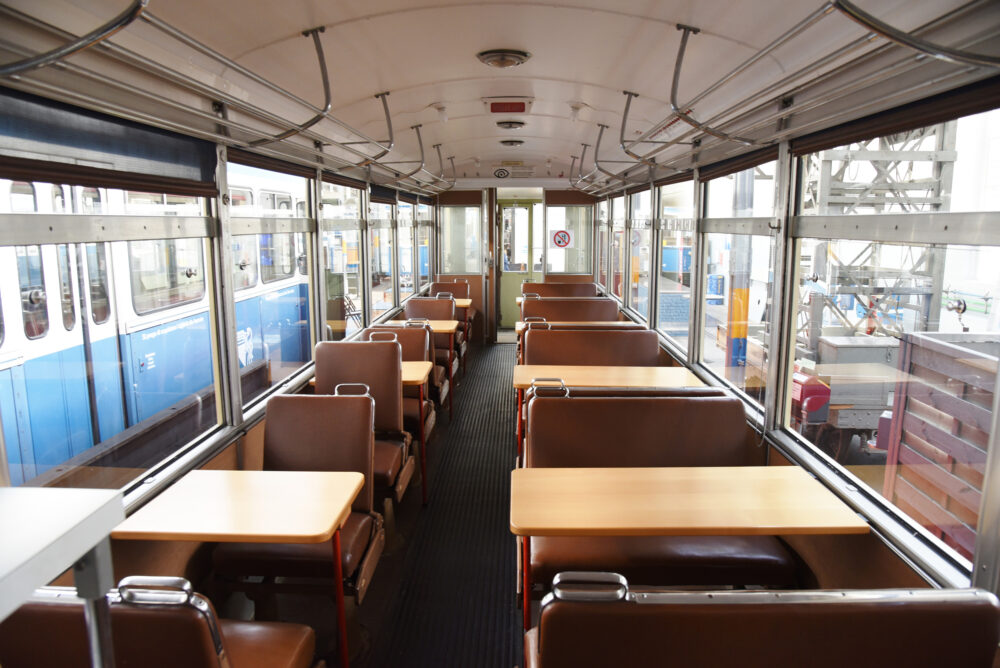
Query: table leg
<point x="93" y="577"/>
<point x="338" y="583"/>
<point x="526" y="585"/>
<point x="451" y="380"/>
<point x="423" y="449"/>
<point x="520" y="407"/>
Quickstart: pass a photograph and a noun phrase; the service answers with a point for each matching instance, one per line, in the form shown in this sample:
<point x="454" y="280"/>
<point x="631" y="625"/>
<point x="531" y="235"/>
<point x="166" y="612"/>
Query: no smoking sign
<point x="562" y="239"/>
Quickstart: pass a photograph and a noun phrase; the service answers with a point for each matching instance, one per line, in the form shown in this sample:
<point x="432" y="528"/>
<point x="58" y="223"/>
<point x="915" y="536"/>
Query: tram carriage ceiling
<point x="583" y="55"/>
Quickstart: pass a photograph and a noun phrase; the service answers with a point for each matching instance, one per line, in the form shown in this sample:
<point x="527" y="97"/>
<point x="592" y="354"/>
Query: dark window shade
<point x="738" y="164"/>
<point x="674" y="178"/>
<point x="347" y="181"/>
<point x="965" y="101"/>
<point x="460" y="198"/>
<point x="57" y="143"/>
<point x="249" y="159"/>
<point x="568" y="198"/>
<point x="383" y="195"/>
<point x="408" y="197"/>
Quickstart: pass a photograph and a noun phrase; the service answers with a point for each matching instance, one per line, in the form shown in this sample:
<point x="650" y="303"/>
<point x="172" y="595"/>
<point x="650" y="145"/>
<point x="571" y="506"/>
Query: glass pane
<point x="277" y="256"/>
<point x="344" y="312"/>
<point x="945" y="167"/>
<point x="676" y="245"/>
<point x="66" y="287"/>
<point x="90" y="201"/>
<point x="618" y="246"/>
<point x="424" y="254"/>
<point x="895" y="362"/>
<point x="460" y="240"/>
<point x="22" y="197"/>
<point x="604" y="237"/>
<point x="97" y="276"/>
<point x="537" y="236"/>
<point x="746" y="194"/>
<point x="381" y="271"/>
<point x="569" y="239"/>
<point x="639" y="255"/>
<point x="404" y="237"/>
<point x="261" y="193"/>
<point x="245" y="261"/>
<point x="58" y="199"/>
<point x="737" y="296"/>
<point x="156" y="204"/>
<point x="165" y="273"/>
<point x="31" y="280"/>
<point x="340" y="202"/>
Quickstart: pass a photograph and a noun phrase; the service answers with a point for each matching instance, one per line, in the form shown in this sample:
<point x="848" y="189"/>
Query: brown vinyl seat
<point x="459" y="288"/>
<point x="592" y="347"/>
<point x="639" y="431"/>
<point x="599" y="622"/>
<point x="317" y="433"/>
<point x="155" y="623"/>
<point x="541" y="323"/>
<point x="419" y="416"/>
<point x="571" y="309"/>
<point x="446" y="347"/>
<point x="560" y="289"/>
<point x="377" y="365"/>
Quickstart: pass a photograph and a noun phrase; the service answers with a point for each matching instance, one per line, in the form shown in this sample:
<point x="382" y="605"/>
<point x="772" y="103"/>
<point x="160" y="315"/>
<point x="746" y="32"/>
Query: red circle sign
<point x="561" y="239"/>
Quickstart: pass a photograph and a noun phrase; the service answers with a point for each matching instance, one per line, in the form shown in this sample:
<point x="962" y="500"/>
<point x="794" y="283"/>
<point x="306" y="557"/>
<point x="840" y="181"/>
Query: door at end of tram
<point x="521" y="233"/>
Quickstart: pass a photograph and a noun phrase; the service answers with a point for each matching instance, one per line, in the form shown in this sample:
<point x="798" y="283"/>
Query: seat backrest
<point x="570" y="308"/>
<point x="158" y="630"/>
<point x="322" y="433"/>
<point x="416" y="341"/>
<point x="592" y="347"/>
<point x="430" y="308"/>
<point x="945" y="627"/>
<point x="639" y="431"/>
<point x="458" y="289"/>
<point x="377" y="364"/>
<point x="559" y="289"/>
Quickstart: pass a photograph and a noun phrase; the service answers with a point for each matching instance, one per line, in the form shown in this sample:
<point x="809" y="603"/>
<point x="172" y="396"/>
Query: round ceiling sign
<point x="501" y="173"/>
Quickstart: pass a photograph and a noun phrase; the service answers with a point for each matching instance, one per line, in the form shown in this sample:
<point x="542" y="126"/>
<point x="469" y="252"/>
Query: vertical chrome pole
<point x="699" y="264"/>
<point x="224" y="307"/>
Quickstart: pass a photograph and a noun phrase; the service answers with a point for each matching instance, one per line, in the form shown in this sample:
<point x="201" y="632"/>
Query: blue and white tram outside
<point x="87" y="348"/>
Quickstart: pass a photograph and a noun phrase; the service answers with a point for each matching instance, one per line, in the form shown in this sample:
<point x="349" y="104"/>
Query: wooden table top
<point x="717" y="501"/>
<point x="437" y="326"/>
<point x="416" y="373"/>
<point x="463" y="302"/>
<point x="520" y="325"/>
<point x="607" y="376"/>
<point x="247" y="506"/>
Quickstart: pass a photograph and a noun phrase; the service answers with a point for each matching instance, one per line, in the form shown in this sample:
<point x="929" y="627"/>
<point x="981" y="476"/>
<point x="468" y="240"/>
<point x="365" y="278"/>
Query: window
<point x="738" y="278"/>
<point x="603" y="242"/>
<point x="157" y="204"/>
<point x="425" y="220"/>
<point x="896" y="343"/>
<point x="240" y="198"/>
<point x="22" y="197"/>
<point x="570" y="229"/>
<point x="58" y="199"/>
<point x="90" y="201"/>
<point x="460" y="240"/>
<point x="404" y="240"/>
<point x="675" y="260"/>
<point x="245" y="261"/>
<point x="617" y="246"/>
<point x="640" y="239"/>
<point x="31" y="279"/>
<point x="382" y="295"/>
<point x="66" y="286"/>
<point x="342" y="260"/>
<point x="165" y="273"/>
<point x="261" y="193"/>
<point x="97" y="277"/>
<point x="277" y="257"/>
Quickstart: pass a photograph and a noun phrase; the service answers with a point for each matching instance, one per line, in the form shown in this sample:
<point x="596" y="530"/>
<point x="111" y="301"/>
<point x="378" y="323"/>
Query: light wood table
<point x="607" y="376"/>
<point x="463" y="302"/>
<point x="416" y="374"/>
<point x="47" y="530"/>
<point x="254" y="507"/>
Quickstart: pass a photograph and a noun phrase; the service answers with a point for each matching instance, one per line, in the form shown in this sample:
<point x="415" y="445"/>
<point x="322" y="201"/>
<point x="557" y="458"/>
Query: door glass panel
<point x="675" y="261"/>
<point x="569" y="239"/>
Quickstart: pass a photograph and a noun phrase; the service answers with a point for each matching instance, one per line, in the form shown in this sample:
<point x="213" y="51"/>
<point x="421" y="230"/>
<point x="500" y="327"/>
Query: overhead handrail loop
<point x="314" y="33"/>
<point x="676" y="109"/>
<point x="88" y="40"/>
<point x="906" y="39"/>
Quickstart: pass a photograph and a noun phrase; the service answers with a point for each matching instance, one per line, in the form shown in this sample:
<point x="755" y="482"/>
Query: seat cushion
<point x="411" y="416"/>
<point x="388" y="459"/>
<point x="669" y="560"/>
<point x="268" y="644"/>
<point x="307" y="560"/>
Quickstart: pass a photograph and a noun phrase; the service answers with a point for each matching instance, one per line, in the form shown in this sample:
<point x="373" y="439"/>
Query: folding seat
<point x="377" y="365"/>
<point x="156" y="622"/>
<point x="317" y="433"/>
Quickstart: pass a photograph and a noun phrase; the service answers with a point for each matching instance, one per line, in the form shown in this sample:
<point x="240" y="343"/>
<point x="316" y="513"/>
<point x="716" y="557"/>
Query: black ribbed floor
<point x="446" y="597"/>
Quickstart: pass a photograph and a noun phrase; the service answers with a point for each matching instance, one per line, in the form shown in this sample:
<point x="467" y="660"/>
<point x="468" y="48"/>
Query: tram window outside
<point x="166" y="273"/>
<point x="90" y="201"/>
<point x="404" y="246"/>
<point x="674" y="261"/>
<point x="341" y="248"/>
<point x="277" y="257"/>
<point x="425" y="219"/>
<point x="66" y="287"/>
<point x="897" y="344"/>
<point x="382" y="295"/>
<point x="618" y="246"/>
<point x="58" y="199"/>
<point x="97" y="277"/>
<point x="31" y="279"/>
<point x="22" y="197"/>
<point x="245" y="261"/>
<point x="572" y="256"/>
<point x="603" y="242"/>
<point x="263" y="193"/>
<point x="460" y="240"/>
<point x="640" y="238"/>
<point x="158" y="204"/>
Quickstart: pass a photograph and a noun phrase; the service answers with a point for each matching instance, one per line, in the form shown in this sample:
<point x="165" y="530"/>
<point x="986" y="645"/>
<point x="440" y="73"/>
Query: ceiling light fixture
<point x="574" y="111"/>
<point x="511" y="142"/>
<point x="442" y="111"/>
<point x="510" y="125"/>
<point x="503" y="58"/>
